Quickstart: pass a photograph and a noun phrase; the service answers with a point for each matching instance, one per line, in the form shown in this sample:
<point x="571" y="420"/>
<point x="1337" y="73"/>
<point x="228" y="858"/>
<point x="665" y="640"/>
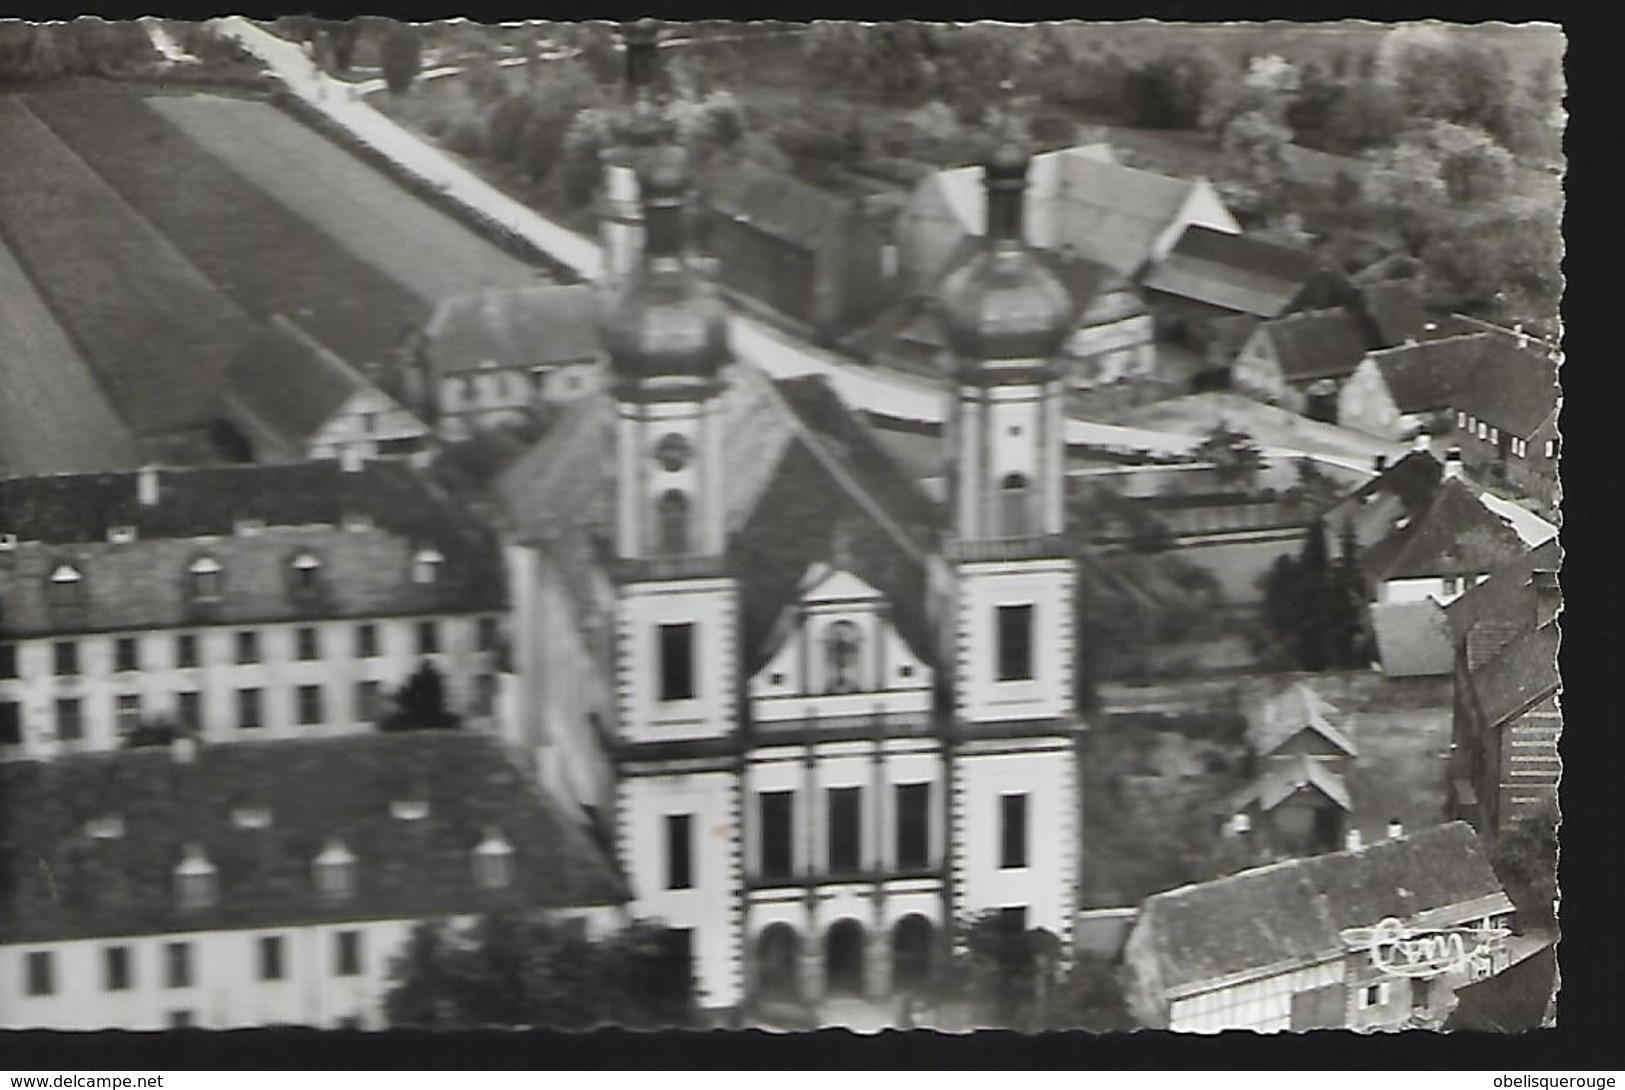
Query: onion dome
<point x="1004" y="304"/>
<point x="667" y="322"/>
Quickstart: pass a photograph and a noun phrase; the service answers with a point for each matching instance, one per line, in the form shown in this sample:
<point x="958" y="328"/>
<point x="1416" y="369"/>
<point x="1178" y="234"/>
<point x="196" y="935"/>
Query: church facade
<point x="824" y="720"/>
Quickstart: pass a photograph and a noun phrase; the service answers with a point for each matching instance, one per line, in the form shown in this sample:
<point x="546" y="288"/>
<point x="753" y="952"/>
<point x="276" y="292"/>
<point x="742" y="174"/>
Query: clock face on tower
<point x="672" y="452"/>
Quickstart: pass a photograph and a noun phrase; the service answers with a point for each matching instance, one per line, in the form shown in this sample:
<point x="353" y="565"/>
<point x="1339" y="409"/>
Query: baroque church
<point x="823" y="719"/>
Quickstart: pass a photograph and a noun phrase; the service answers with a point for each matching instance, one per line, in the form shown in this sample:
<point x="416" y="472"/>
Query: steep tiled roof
<point x="1400" y="491"/>
<point x="1283" y="779"/>
<point x="513" y="327"/>
<point x="1295" y="708"/>
<point x="1455" y="534"/>
<point x="1514" y="388"/>
<point x="1234" y="272"/>
<point x="1316" y="343"/>
<point x="252" y="520"/>
<point x="1296" y="911"/>
<point x="286" y="381"/>
<point x="56" y="882"/>
<point x="774" y="203"/>
<point x="1393" y="309"/>
<point x="1525" y="671"/>
<point x="1430" y="375"/>
<point x="1490" y="614"/>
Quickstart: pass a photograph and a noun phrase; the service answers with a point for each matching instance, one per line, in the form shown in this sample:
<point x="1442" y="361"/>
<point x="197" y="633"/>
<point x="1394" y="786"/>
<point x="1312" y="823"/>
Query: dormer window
<point x="493" y="862"/>
<point x="251" y="817"/>
<point x="409" y="809"/>
<point x="250" y="527"/>
<point x="205" y="579"/>
<point x="843" y="647"/>
<point x="120" y="535"/>
<point x="110" y="827"/>
<point x="66" y="586"/>
<point x="334" y="873"/>
<point x="197" y="883"/>
<point x="426" y="567"/>
<point x="307" y="573"/>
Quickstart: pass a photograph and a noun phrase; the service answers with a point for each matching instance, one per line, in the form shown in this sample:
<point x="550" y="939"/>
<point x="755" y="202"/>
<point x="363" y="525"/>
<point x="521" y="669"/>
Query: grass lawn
<point x="54" y="418"/>
<point x="423" y="249"/>
<point x="154" y="329"/>
<point x="266" y="257"/>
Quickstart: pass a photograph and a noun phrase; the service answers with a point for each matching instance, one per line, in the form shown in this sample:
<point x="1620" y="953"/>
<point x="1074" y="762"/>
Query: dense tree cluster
<point x="536" y="972"/>
<point x="87" y="46"/>
<point x="1314" y="605"/>
<point x="1525" y="859"/>
<point x="1016" y="979"/>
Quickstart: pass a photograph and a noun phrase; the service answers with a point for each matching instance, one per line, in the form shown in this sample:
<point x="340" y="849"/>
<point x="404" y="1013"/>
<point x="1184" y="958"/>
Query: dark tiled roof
<point x="1295" y="708"/>
<point x="1513" y="389"/>
<point x="289" y="383"/>
<point x="1316" y="344"/>
<point x="1503" y="605"/>
<point x="776" y="204"/>
<point x="1400" y="491"/>
<point x="299" y="507"/>
<point x="1234" y="272"/>
<point x="1297" y="910"/>
<point x="1454" y="535"/>
<point x="57" y="883"/>
<point x="1283" y="779"/>
<point x="1514" y="1000"/>
<point x="1523" y="673"/>
<point x="514" y="327"/>
<point x="1430" y="375"/>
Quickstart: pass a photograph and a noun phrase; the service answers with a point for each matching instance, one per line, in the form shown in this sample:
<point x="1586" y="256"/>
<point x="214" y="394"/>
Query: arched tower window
<point x="1014" y="505"/>
<point x="843" y="649"/>
<point x="673" y="524"/>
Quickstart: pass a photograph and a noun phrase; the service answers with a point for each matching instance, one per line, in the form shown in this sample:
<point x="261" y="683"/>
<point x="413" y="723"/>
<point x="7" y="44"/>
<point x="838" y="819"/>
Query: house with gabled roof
<point x="1297" y="801"/>
<point x="293" y="399"/>
<point x="1400" y="392"/>
<point x="1287" y="946"/>
<point x="1506" y="718"/>
<point x="1506" y="418"/>
<point x="1299" y="360"/>
<point x="746" y="632"/>
<point x="806" y="254"/>
<point x="224" y="886"/>
<point x="1121" y="216"/>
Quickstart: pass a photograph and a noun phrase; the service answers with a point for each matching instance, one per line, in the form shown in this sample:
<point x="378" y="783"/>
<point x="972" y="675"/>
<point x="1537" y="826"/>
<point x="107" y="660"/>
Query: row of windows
<point x="205" y="579"/>
<point x="1013" y="632"/>
<point x="1519" y="447"/>
<point x="310" y="709"/>
<point x="247" y="647"/>
<point x="178" y="968"/>
<point x="845" y="829"/>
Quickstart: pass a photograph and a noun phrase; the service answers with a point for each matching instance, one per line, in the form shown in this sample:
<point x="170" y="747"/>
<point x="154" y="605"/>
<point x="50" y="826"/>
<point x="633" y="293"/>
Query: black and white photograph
<point x="780" y="525"/>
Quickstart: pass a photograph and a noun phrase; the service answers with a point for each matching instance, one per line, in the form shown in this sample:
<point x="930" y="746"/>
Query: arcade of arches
<point x="848" y="959"/>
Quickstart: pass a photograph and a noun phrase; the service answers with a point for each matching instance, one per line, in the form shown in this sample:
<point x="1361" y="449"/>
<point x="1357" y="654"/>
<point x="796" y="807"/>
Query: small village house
<point x="1398" y="393"/>
<point x="1297" y="801"/>
<point x="1299" y="361"/>
<point x="1286" y="946"/>
<point x="1506" y="417"/>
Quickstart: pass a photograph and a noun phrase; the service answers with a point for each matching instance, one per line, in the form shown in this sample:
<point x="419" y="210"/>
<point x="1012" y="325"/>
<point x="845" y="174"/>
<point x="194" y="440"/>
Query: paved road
<point x="904" y="397"/>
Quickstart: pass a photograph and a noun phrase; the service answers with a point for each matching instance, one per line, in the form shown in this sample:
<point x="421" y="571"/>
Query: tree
<point x="522" y="971"/>
<point x="1473" y="167"/>
<point x="1090" y="997"/>
<point x="1438" y="75"/>
<point x="1255" y="152"/>
<point x="401" y="57"/>
<point x="421" y="703"/>
<point x="342" y="37"/>
<point x="1500" y="262"/>
<point x="1170" y="90"/>
<point x="1234" y="455"/>
<point x="1525" y="859"/>
<point x="1361" y="117"/>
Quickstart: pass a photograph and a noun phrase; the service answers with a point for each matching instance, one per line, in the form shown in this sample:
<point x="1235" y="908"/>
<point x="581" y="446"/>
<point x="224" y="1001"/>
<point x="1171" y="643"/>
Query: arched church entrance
<point x="778" y="962"/>
<point x="911" y="941"/>
<point x="843" y="957"/>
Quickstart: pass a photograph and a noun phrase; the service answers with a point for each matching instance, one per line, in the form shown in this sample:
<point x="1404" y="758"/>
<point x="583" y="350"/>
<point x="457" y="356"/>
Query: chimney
<point x="1548" y="595"/>
<point x="183" y="748"/>
<point x="1380" y="462"/>
<point x="1395" y="829"/>
<point x="1452" y="464"/>
<point x="1420" y="443"/>
<point x="1352" y="841"/>
<point x="350" y="458"/>
<point x="146" y="486"/>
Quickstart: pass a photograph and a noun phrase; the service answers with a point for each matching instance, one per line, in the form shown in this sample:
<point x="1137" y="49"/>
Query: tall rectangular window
<point x="116" y="968"/>
<point x="777" y="813"/>
<point x="307" y="644"/>
<point x="8" y="660"/>
<point x="41" y="973"/>
<point x="178" y="965"/>
<point x="1012" y="831"/>
<point x="1015" y="635"/>
<point x="366" y="641"/>
<point x="128" y="712"/>
<point x="679" y="851"/>
<point x="70" y="719"/>
<point x="126" y="654"/>
<point x="676" y="662"/>
<point x="347" y="953"/>
<point x="271" y="957"/>
<point x="485" y="633"/>
<point x="310" y="705"/>
<point x="65" y="656"/>
<point x="248" y="709"/>
<point x="248" y="646"/>
<point x="11" y="723"/>
<point x="428" y="638"/>
<point x="845" y="830"/>
<point x="186" y="650"/>
<point x="366" y="701"/>
<point x="189" y="709"/>
<point x="913" y="825"/>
